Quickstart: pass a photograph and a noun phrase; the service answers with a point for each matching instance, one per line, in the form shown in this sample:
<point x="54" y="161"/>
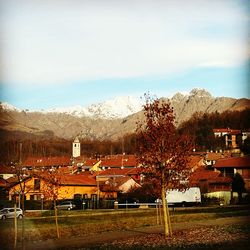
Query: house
<point x="92" y="165"/>
<point x="63" y="186"/>
<point x="195" y="162"/>
<point x="119" y="184"/>
<point x="7" y="172"/>
<point x="232" y="136"/>
<point x="212" y="157"/>
<point x="53" y="162"/>
<point x="134" y="173"/>
<point x="118" y="161"/>
<point x="113" y="161"/>
<point x="232" y="165"/>
<point x="210" y="181"/>
<point x="107" y="162"/>
<point x="212" y="184"/>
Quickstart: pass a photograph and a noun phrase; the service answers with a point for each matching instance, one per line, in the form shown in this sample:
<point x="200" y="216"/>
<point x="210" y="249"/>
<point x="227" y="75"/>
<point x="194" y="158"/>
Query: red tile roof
<point x="119" y="171"/>
<point x="77" y="179"/>
<point x="204" y="175"/>
<point x="47" y="161"/>
<point x="195" y="161"/>
<point x="234" y="162"/>
<point x="112" y="161"/>
<point x="3" y="182"/>
<point x="67" y="170"/>
<point x="90" y="162"/>
<point x="7" y="170"/>
<point x="221" y="179"/>
<point x="209" y="176"/>
<point x="226" y="130"/>
<point x="213" y="156"/>
<point x="120" y="160"/>
<point x="115" y="184"/>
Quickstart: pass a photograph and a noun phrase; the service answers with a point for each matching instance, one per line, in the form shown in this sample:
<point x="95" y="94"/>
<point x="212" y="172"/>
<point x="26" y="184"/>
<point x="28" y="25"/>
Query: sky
<point x="58" y="53"/>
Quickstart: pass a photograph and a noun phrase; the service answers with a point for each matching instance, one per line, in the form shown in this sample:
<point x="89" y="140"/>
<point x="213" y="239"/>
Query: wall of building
<point x="224" y="196"/>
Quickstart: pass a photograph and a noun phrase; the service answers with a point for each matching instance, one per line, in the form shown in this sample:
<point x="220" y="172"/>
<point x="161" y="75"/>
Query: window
<point x="77" y="196"/>
<point x="94" y="197"/>
<point x="36" y="184"/>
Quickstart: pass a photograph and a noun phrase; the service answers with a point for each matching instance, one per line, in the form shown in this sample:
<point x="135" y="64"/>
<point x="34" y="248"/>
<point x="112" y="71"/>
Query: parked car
<point x="10" y="213"/>
<point x="66" y="205"/>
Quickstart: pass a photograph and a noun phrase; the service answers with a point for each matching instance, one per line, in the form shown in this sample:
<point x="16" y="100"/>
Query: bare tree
<point x="163" y="152"/>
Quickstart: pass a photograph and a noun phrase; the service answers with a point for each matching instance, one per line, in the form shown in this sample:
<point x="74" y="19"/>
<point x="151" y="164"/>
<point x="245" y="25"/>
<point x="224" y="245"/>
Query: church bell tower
<point x="76" y="148"/>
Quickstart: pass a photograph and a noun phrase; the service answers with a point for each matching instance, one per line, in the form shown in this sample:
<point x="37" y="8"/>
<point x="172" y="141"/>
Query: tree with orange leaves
<point x="51" y="191"/>
<point x="163" y="152"/>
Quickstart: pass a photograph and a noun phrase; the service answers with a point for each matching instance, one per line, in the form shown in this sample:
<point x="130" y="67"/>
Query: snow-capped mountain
<point x="77" y="110"/>
<point x="77" y="120"/>
<point x="9" y="107"/>
<point x="119" y="107"/>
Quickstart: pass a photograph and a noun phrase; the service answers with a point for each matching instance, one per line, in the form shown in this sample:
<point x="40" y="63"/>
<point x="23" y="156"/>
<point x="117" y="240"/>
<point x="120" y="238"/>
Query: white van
<point x="190" y="196"/>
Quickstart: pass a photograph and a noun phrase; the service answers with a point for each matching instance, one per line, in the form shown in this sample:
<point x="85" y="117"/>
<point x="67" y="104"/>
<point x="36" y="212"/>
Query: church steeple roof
<point x="76" y="140"/>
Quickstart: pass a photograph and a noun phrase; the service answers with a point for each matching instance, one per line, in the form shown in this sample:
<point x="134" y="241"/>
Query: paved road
<point x="106" y="237"/>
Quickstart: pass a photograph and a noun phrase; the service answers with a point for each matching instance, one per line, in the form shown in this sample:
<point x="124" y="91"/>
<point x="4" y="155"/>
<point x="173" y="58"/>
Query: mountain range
<point x="110" y="119"/>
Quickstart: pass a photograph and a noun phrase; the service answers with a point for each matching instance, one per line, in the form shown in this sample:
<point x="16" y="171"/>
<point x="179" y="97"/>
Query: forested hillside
<point x="201" y="126"/>
<point x="19" y="145"/>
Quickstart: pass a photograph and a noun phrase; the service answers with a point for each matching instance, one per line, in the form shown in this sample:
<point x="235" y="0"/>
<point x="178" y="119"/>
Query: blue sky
<point x="65" y="53"/>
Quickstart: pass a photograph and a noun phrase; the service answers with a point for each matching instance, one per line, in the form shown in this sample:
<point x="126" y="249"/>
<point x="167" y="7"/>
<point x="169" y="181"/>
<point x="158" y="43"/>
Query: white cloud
<point x="46" y="43"/>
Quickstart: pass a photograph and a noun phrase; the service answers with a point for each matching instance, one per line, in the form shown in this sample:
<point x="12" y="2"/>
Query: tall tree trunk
<point x="23" y="221"/>
<point x="15" y="227"/>
<point x="56" y="220"/>
<point x="166" y="219"/>
<point x="169" y="221"/>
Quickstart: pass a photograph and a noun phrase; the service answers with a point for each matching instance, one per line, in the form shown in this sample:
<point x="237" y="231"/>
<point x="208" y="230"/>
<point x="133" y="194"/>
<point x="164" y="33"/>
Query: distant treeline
<point x="16" y="146"/>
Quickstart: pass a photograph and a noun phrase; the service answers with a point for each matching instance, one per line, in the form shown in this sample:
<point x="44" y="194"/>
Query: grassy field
<point x="41" y="226"/>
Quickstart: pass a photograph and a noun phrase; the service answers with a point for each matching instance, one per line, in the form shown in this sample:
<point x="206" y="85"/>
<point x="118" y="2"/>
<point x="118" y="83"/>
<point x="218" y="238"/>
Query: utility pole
<point x="20" y="153"/>
<point x="98" y="187"/>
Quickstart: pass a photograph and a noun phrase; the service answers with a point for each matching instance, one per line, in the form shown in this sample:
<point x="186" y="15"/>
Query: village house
<point x="230" y="166"/>
<point x="196" y="162"/>
<point x="103" y="163"/>
<point x="118" y="161"/>
<point x="134" y="173"/>
<point x="65" y="187"/>
<point x="212" y="184"/>
<point x="212" y="157"/>
<point x="122" y="184"/>
<point x="7" y="172"/>
<point x="46" y="163"/>
<point x="233" y="137"/>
